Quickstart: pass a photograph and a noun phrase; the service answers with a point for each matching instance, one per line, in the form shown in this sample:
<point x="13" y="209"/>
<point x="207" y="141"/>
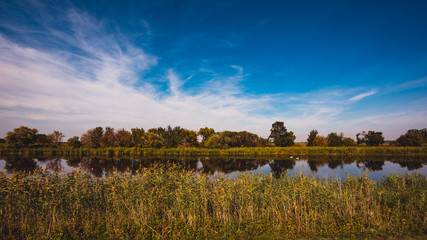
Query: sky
<point x="334" y="66"/>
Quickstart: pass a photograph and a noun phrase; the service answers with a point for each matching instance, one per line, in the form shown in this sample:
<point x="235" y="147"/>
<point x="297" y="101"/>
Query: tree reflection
<point x="411" y="165"/>
<point x="100" y="166"/>
<point x="372" y="165"/>
<point x="54" y="165"/>
<point x="19" y="164"/>
<point x="278" y="167"/>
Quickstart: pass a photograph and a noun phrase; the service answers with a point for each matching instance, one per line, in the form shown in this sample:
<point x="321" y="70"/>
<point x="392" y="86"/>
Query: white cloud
<point x="363" y="95"/>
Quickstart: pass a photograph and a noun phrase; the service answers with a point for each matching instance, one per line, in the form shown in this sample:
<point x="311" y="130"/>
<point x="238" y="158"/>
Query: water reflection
<point x="316" y="164"/>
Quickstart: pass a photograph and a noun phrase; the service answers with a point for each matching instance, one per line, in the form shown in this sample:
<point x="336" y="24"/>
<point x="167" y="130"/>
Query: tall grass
<point x="167" y="202"/>
<point x="255" y="151"/>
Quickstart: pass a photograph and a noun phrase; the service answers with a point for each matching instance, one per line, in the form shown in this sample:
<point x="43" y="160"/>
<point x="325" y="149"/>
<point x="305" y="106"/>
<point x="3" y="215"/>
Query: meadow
<point x="173" y="203"/>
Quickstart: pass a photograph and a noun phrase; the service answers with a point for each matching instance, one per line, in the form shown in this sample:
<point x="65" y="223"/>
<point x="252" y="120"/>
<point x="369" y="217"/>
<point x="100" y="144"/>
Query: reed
<point x="232" y="152"/>
<point x="168" y="202"/>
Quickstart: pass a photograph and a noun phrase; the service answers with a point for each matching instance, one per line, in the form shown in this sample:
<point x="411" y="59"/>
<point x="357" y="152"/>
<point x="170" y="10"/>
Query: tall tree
<point x="311" y="137"/>
<point x="281" y="137"/>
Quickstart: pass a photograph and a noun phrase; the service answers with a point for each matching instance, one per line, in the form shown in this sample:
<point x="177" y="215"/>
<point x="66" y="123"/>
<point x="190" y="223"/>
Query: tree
<point x="281" y="137"/>
<point x="422" y="132"/>
<point x="335" y="140"/>
<point x="56" y="137"/>
<point x="205" y="133"/>
<point x="138" y="135"/>
<point x="41" y="140"/>
<point x="108" y="138"/>
<point x="371" y="138"/>
<point x="212" y="142"/>
<point x="74" y="142"/>
<point x="348" y="142"/>
<point x="320" y="141"/>
<point x="410" y="139"/>
<point x="152" y="139"/>
<point x="21" y="137"/>
<point x="188" y="138"/>
<point x="92" y="137"/>
<point x="123" y="138"/>
<point x="311" y="137"/>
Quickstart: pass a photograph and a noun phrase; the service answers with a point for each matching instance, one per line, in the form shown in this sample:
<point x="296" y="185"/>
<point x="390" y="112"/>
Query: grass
<point x="232" y="152"/>
<point x="169" y="202"/>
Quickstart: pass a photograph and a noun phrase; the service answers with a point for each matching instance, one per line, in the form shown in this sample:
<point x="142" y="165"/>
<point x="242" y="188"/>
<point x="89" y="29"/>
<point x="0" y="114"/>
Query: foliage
<point x="74" y="142"/>
<point x="348" y="142"/>
<point x="22" y="137"/>
<point x="56" y="137"/>
<point x="138" y="136"/>
<point x="320" y="141"/>
<point x="311" y="137"/>
<point x="335" y="140"/>
<point x="92" y="138"/>
<point x="281" y="137"/>
<point x="422" y="132"/>
<point x="206" y="133"/>
<point x="371" y="138"/>
<point x="411" y="138"/>
<point x="173" y="203"/>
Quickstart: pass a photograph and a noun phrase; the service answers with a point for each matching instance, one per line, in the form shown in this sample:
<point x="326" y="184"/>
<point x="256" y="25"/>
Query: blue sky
<point x="334" y="66"/>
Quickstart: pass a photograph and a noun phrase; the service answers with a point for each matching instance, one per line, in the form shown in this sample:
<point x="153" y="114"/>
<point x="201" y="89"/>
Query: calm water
<point x="320" y="166"/>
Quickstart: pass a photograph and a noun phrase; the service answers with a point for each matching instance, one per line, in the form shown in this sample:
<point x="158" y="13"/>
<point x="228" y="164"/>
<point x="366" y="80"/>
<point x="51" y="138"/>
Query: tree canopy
<point x="281" y="137"/>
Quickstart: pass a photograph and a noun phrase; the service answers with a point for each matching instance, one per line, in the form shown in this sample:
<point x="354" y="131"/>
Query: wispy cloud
<point x="363" y="95"/>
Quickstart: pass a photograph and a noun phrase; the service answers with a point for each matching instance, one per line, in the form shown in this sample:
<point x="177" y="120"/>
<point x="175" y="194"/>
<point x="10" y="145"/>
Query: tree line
<point x="177" y="137"/>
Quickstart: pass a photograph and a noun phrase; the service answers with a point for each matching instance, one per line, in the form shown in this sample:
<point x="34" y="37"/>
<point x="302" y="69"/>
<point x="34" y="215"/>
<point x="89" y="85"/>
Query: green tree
<point x="188" y="138"/>
<point x="138" y="136"/>
<point x="348" y="142"/>
<point x="371" y="138"/>
<point x="335" y="140"/>
<point x="205" y="133"/>
<point x="74" y="142"/>
<point x="22" y="137"/>
<point x="311" y="137"/>
<point x="41" y="140"/>
<point x="281" y="137"/>
<point x="153" y="139"/>
<point x="212" y="142"/>
<point x="410" y="139"/>
<point x="422" y="132"/>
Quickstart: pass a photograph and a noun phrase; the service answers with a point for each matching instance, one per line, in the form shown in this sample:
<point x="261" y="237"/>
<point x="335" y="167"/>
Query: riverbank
<point x="231" y="152"/>
<point x="173" y="203"/>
